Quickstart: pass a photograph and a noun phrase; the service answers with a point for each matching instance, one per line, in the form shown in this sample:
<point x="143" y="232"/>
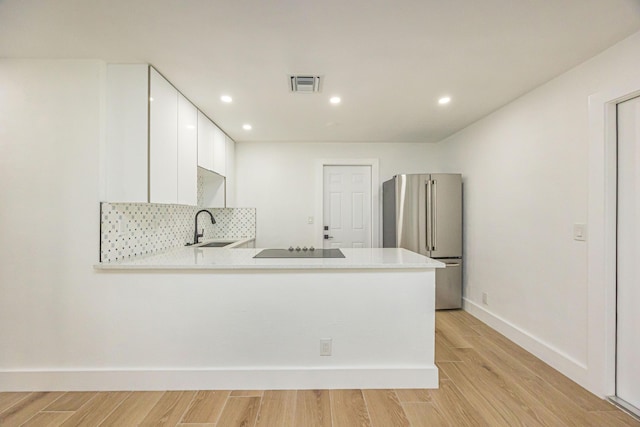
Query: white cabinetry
<point x="155" y="141"/>
<point x="163" y="140"/>
<point x="211" y="146"/>
<point x="187" y="152"/>
<point x="206" y="132"/>
<point x="216" y="162"/>
<point x="125" y="160"/>
<point x="150" y="153"/>
<point x="230" y="172"/>
<point x="219" y="152"/>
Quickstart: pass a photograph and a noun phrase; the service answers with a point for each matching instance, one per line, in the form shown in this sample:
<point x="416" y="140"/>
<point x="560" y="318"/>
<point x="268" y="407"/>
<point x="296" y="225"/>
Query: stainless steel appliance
<point x="423" y="213"/>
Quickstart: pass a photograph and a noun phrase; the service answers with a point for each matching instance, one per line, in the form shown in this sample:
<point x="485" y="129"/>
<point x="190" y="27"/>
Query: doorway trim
<point x="376" y="206"/>
<point x="601" y="248"/>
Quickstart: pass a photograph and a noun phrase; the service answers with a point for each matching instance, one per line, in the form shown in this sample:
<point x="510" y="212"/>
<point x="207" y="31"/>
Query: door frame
<point x="375" y="196"/>
<point x="601" y="238"/>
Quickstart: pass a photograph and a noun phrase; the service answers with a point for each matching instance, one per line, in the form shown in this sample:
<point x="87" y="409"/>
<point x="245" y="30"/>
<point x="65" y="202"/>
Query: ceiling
<point x="389" y="61"/>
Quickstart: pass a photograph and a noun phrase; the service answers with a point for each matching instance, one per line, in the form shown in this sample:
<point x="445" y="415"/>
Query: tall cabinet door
<point x="206" y="132"/>
<point x="446" y="216"/>
<point x="126" y="173"/>
<point x="628" y="241"/>
<point x="187" y="152"/>
<point x="230" y="173"/>
<point x="219" y="152"/>
<point x="163" y="140"/>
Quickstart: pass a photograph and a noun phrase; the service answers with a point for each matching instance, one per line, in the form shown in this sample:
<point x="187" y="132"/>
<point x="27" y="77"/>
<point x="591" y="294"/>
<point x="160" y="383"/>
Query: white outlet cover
<point x="325" y="347"/>
<point x="580" y="232"/>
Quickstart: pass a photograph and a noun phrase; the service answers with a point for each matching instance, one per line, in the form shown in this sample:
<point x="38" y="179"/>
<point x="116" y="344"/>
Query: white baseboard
<point x="219" y="379"/>
<point x="552" y="356"/>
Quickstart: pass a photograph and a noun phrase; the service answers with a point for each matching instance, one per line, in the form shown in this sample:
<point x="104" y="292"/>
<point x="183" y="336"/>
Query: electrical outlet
<point x="485" y="298"/>
<point x="310" y="220"/>
<point x="325" y="347"/>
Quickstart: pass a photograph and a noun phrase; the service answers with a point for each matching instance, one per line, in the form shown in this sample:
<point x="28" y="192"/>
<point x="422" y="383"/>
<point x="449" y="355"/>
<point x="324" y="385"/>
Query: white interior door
<point x="347" y="206"/>
<point x="628" y="259"/>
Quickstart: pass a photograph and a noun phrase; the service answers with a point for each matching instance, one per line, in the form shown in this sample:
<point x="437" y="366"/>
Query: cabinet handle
<point x="434" y="214"/>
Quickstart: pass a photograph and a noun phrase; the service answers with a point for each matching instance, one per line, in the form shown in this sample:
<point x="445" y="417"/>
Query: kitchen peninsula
<point x="258" y="323"/>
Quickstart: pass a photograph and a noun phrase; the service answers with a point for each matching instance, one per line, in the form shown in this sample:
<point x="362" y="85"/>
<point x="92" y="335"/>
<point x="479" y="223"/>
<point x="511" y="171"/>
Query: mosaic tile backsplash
<point x="131" y="229"/>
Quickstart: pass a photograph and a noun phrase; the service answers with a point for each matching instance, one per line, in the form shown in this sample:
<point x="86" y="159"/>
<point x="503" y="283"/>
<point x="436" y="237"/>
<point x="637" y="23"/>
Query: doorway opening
<point x="603" y="246"/>
<point x="627" y="351"/>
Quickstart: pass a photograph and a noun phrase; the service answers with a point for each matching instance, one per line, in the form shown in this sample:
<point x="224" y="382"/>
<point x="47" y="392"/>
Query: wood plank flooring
<point x="485" y="380"/>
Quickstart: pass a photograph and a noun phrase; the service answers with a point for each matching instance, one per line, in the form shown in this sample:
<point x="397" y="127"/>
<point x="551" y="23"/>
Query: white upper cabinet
<point x="187" y="152"/>
<point x="230" y="172"/>
<point x="211" y="146"/>
<point x="125" y="155"/>
<point x="219" y="152"/>
<point x="163" y="140"/>
<point x="155" y="141"/>
<point x="206" y="135"/>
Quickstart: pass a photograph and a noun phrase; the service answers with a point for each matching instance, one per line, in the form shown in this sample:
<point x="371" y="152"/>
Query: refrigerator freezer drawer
<point x="449" y="284"/>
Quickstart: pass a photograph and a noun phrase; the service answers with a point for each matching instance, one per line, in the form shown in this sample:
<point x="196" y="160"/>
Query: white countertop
<point x="195" y="258"/>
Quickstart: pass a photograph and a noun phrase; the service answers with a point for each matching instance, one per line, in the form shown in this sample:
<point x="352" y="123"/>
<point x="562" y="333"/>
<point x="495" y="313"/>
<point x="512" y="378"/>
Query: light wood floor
<point x="486" y="380"/>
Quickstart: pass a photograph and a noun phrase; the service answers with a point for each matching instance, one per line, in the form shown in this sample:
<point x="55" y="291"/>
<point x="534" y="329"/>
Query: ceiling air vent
<point x="304" y="84"/>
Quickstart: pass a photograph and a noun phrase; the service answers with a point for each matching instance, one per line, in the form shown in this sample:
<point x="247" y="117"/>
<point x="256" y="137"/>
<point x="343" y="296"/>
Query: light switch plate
<point x="580" y="232"/>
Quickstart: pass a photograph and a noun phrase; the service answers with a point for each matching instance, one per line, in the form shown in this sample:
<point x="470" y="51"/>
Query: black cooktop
<point x="285" y="253"/>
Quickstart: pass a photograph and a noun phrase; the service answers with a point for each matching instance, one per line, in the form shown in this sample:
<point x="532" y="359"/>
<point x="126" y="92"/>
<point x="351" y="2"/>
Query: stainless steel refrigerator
<point x="423" y="213"/>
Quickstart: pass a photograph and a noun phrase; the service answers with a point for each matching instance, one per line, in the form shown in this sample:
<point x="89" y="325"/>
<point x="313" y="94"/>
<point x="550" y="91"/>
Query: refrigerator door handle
<point x="434" y="208"/>
<point x="428" y="212"/>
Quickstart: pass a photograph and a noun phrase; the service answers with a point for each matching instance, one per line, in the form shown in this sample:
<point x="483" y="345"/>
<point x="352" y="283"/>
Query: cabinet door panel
<point x="230" y="174"/>
<point x="126" y="151"/>
<point x="187" y="152"/>
<point x="206" y="130"/>
<point x="219" y="152"/>
<point x="163" y="140"/>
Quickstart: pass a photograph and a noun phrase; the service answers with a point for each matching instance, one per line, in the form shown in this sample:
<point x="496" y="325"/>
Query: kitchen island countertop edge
<point x="196" y="258"/>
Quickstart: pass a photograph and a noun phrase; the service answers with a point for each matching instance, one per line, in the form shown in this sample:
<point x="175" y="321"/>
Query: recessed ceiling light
<point x="226" y="98"/>
<point x="246" y="126"/>
<point x="444" y="100"/>
<point x="335" y="100"/>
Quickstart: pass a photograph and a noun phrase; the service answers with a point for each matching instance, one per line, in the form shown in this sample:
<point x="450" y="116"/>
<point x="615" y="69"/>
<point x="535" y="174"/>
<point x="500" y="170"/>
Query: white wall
<point x="49" y="133"/>
<point x="279" y="179"/>
<point x="525" y="175"/>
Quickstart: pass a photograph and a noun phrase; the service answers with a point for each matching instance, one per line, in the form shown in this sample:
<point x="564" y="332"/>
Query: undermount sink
<point x="216" y="245"/>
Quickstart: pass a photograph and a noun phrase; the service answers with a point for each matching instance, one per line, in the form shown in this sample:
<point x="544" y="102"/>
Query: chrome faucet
<point x="196" y="235"/>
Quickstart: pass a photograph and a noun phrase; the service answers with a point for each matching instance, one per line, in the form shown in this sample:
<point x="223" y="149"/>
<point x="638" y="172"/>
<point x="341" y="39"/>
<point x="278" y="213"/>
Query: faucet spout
<point x="196" y="235"/>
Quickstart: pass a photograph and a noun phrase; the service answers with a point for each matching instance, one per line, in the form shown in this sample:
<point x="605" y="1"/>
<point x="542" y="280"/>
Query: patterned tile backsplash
<point x="131" y="229"/>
